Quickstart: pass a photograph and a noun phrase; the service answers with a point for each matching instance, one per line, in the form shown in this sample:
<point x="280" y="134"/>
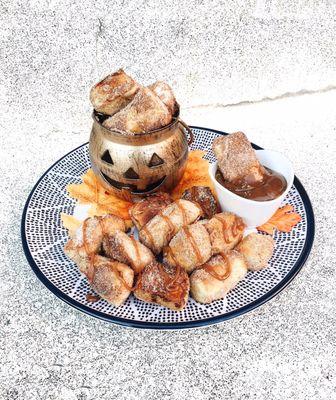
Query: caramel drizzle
<point x="210" y="269"/>
<point x="102" y="225"/>
<point x="169" y="252"/>
<point x="90" y="274"/>
<point x="224" y="228"/>
<point x="150" y="238"/>
<point x="137" y="262"/>
<point x="237" y="226"/>
<point x="182" y="210"/>
<point x="92" y="298"/>
<point x="193" y="244"/>
<point x="234" y="229"/>
<point x="172" y="284"/>
<point x="167" y="220"/>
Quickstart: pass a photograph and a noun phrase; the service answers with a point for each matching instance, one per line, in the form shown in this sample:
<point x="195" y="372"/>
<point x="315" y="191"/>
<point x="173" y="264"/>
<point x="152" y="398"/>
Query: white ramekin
<point x="255" y="213"/>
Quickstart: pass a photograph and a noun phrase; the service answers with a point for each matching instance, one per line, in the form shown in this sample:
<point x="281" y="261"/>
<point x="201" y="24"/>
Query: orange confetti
<point x="284" y="219"/>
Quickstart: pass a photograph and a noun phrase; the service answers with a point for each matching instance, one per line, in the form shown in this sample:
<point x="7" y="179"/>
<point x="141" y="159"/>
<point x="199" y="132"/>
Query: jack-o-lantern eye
<point x="155" y="161"/>
<point x="107" y="157"/>
<point x="131" y="174"/>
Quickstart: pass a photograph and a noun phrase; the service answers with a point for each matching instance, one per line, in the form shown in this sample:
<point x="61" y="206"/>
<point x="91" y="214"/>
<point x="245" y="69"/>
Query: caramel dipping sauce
<point x="271" y="187"/>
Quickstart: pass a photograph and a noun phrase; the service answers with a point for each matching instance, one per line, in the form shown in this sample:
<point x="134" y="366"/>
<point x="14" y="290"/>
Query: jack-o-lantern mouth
<point x="131" y="187"/>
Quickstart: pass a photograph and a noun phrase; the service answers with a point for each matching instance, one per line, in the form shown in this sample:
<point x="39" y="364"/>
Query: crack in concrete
<point x="98" y="35"/>
<point x="265" y="99"/>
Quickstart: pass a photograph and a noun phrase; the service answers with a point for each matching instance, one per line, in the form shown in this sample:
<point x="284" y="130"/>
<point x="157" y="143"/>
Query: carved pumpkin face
<point x="131" y="178"/>
<point x="140" y="164"/>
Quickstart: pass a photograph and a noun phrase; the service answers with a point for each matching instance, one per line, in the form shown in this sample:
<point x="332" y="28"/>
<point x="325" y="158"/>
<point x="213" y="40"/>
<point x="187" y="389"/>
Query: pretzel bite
<point x="257" y="250"/>
<point x="146" y="112"/>
<point x="236" y="158"/>
<point x="127" y="250"/>
<point x="112" y="280"/>
<point x="189" y="248"/>
<point x="164" y="285"/>
<point x="89" y="236"/>
<point x="217" y="277"/>
<point x="165" y="93"/>
<point x="113" y="93"/>
<point x="225" y="230"/>
<point x="158" y="232"/>
<point x="146" y="209"/>
<point x="203" y="196"/>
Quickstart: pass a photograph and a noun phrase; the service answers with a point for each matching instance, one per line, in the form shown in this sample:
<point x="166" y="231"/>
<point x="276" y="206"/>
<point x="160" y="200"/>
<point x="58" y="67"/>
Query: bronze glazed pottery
<point x="135" y="165"/>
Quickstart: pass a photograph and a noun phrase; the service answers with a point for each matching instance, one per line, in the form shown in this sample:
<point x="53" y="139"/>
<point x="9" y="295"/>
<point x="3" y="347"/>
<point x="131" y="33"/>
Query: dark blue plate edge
<point x="177" y="325"/>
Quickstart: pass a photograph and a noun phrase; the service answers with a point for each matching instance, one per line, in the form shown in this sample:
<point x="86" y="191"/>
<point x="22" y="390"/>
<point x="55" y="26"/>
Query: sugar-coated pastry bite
<point x="217" y="277"/>
<point x="204" y="197"/>
<point x="113" y="93"/>
<point x="166" y="94"/>
<point x="112" y="280"/>
<point x="89" y="236"/>
<point x="236" y="158"/>
<point x="257" y="250"/>
<point x="189" y="248"/>
<point x="158" y="232"/>
<point x="164" y="285"/>
<point x="126" y="249"/>
<point x="146" y="209"/>
<point x="226" y="230"/>
<point x="146" y="112"/>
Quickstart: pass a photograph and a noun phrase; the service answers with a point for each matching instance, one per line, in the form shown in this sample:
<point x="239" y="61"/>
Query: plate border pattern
<point x="176" y="325"/>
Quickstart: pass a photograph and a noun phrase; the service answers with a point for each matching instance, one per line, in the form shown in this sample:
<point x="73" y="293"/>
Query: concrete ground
<point x="225" y="59"/>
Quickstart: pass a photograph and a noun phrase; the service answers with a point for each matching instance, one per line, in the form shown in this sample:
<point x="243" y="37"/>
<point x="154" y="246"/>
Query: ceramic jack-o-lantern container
<point x="135" y="165"/>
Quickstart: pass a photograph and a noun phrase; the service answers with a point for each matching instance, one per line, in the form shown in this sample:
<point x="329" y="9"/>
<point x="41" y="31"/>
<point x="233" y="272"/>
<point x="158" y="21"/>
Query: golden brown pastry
<point x="225" y="230"/>
<point x="89" y="237"/>
<point x="126" y="249"/>
<point x="158" y="232"/>
<point x="203" y="196"/>
<point x="164" y="285"/>
<point x="146" y="112"/>
<point x="113" y="93"/>
<point x="217" y="277"/>
<point x="189" y="248"/>
<point x="236" y="158"/>
<point x="112" y="280"/>
<point x="146" y="209"/>
<point x="257" y="250"/>
<point x="166" y="94"/>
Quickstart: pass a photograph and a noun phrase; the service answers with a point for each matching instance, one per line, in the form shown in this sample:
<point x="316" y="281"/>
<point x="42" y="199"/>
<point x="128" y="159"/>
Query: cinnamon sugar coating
<point x="237" y="159"/>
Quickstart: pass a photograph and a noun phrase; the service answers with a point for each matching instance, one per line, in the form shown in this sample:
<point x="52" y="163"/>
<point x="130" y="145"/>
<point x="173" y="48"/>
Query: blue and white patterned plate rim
<point x="309" y="238"/>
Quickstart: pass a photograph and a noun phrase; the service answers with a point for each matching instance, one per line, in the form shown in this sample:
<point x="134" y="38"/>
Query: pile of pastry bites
<point x="127" y="106"/>
<point x="184" y="246"/>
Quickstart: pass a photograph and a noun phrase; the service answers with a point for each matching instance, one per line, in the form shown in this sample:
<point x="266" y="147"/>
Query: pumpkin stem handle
<point x="191" y="135"/>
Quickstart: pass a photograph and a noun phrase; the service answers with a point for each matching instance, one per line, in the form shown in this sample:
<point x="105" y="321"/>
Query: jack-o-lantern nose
<point x="131" y="174"/>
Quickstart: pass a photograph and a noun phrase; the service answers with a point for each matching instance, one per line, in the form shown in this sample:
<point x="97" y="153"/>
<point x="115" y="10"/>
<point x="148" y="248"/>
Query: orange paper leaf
<point x="284" y="219"/>
<point x="91" y="191"/>
<point x="195" y="174"/>
<point x="101" y="202"/>
<point x="70" y="223"/>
